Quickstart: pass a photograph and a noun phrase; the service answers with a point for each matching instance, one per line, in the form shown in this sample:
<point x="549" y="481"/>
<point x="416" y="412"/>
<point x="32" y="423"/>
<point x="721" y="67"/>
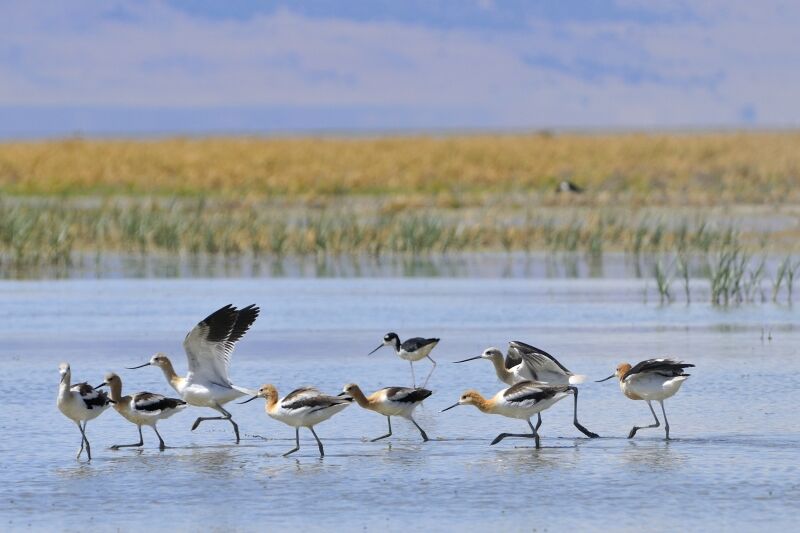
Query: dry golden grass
<point x="699" y="169"/>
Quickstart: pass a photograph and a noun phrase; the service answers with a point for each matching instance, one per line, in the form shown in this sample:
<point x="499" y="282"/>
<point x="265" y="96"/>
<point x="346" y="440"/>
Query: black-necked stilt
<point x="390" y="401"/>
<point x="568" y="186"/>
<point x="80" y="403"/>
<point x="528" y="363"/>
<point x="304" y="407"/>
<point x="209" y="347"/>
<point x="651" y="380"/>
<point x="411" y="350"/>
<point x="522" y="401"/>
<point x="141" y="409"/>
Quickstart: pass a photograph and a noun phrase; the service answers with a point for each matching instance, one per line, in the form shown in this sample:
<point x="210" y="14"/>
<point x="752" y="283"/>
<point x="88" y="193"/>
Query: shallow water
<point x="732" y="463"/>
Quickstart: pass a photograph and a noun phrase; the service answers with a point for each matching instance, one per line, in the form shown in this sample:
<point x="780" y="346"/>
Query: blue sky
<point x="109" y="67"/>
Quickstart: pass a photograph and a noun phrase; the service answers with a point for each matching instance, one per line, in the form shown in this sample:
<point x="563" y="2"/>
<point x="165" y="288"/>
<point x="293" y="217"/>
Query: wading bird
<point x="80" y="403"/>
<point x="528" y="363"/>
<point x="651" y="380"/>
<point x="522" y="401"/>
<point x="391" y="401"/>
<point x="141" y="409"/>
<point x="304" y="407"/>
<point x="209" y="347"/>
<point x="411" y="350"/>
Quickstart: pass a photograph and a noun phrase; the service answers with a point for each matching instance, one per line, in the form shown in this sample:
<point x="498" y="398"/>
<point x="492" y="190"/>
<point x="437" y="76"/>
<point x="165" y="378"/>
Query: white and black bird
<point x="303" y="407"/>
<point x="141" y="409"/>
<point x="651" y="380"/>
<point x="414" y="349"/>
<point x="566" y="186"/>
<point x="524" y="362"/>
<point x="522" y="401"/>
<point x="390" y="401"/>
<point x="209" y="347"/>
<point x="80" y="403"/>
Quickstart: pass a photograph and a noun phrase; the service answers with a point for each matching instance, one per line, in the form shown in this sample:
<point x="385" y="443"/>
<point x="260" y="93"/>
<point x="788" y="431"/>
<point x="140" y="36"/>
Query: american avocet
<point x="528" y="363"/>
<point x="209" y="347"/>
<point x="80" y="403"/>
<point x="411" y="350"/>
<point x="522" y="401"/>
<point x="141" y="409"/>
<point x="304" y="407"/>
<point x="391" y="401"/>
<point x="653" y="379"/>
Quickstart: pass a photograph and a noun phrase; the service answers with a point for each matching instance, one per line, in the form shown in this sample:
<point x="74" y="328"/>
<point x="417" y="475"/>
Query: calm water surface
<point x="731" y="466"/>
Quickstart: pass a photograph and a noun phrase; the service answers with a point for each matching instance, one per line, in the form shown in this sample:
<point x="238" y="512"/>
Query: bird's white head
<point x="160" y="360"/>
<point x="489" y="353"/>
<point x="64" y="371"/>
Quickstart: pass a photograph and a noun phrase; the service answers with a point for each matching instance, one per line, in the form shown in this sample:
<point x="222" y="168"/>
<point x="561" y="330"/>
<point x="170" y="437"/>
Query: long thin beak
<point x="135" y="367"/>
<point x="454" y="405"/>
<point x="470" y="359"/>
<point x="103" y="384"/>
<point x="250" y="400"/>
<point x="63" y="377"/>
<point x="342" y="394"/>
<point x="606" y="379"/>
<point x="376" y="349"/>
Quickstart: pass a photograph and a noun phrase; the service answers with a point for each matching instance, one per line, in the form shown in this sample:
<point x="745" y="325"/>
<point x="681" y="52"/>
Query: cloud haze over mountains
<point x="112" y="67"/>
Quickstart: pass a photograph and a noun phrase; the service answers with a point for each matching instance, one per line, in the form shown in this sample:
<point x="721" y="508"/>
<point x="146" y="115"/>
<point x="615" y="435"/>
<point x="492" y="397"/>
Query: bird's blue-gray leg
<point x="389" y="419"/>
<point x="666" y="422"/>
<point x="225" y="416"/>
<point x="577" y="424"/>
<point x="637" y="428"/>
<point x="140" y="443"/>
<point x="83" y="440"/>
<point x="296" y="442"/>
<point x="421" y="431"/>
<point x="533" y="435"/>
<point x="319" y="442"/>
<point x="161" y="445"/>
<point x="431" y="372"/>
<point x="413" y="378"/>
<point x="538" y="421"/>
<point x="86" y="440"/>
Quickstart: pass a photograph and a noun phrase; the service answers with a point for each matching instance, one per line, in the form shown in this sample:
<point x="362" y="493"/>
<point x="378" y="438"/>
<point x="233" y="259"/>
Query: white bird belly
<point x="652" y="387"/>
<point x="422" y="353"/>
<point x="201" y="395"/>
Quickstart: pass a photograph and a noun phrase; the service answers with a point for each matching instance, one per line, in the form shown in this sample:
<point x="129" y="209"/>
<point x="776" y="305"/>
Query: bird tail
<point x="577" y="379"/>
<point x="245" y="390"/>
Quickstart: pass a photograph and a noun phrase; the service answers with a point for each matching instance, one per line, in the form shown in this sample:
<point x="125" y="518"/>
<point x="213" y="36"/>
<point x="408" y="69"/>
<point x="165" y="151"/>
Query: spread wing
<point x="529" y="393"/>
<point x="664" y="366"/>
<point x="151" y="403"/>
<point x="406" y="394"/>
<point x="210" y="344"/>
<point x="537" y="360"/>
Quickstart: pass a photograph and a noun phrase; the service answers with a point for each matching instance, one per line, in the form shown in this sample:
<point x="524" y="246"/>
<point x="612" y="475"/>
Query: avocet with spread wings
<point x="209" y="347"/>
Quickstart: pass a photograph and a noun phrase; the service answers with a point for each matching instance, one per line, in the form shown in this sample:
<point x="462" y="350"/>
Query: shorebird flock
<point x="536" y="381"/>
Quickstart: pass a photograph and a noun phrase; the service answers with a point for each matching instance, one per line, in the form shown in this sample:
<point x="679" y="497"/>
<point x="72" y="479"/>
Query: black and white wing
<point x="416" y="343"/>
<point x="93" y="398"/>
<point x="539" y="362"/>
<point x="210" y="344"/>
<point x="529" y="393"/>
<point x="664" y="366"/>
<point x="406" y="394"/>
<point x="310" y="399"/>
<point x="153" y="403"/>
